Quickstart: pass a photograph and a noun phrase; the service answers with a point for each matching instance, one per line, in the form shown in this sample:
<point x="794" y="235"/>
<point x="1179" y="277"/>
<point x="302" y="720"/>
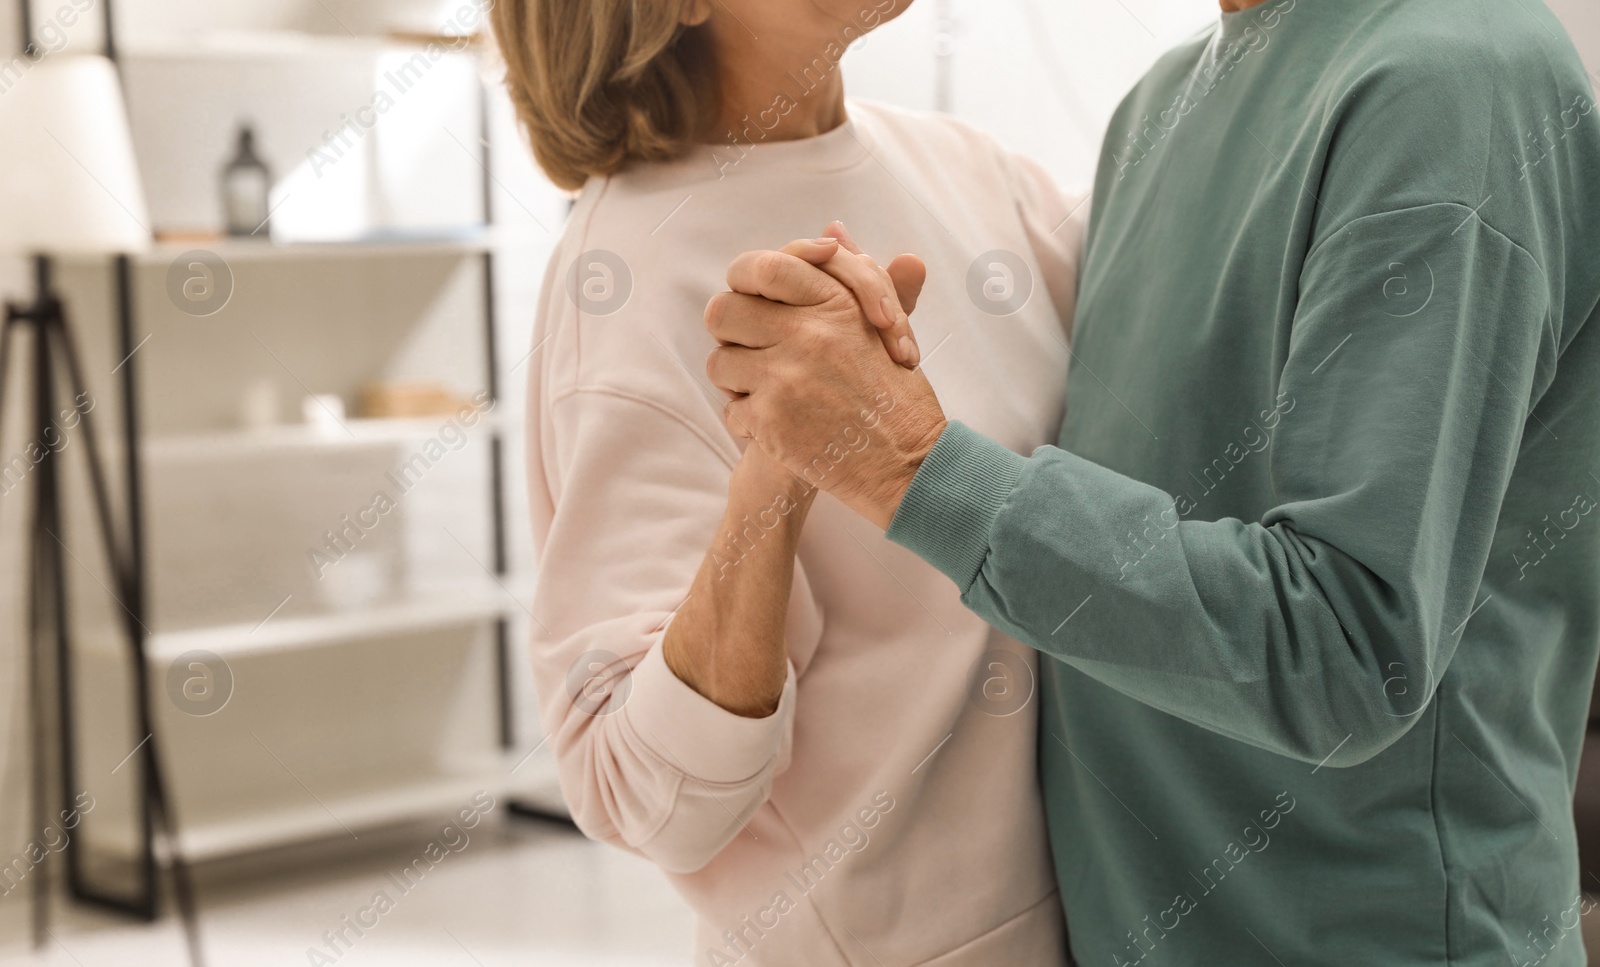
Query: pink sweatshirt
<point x="888" y="812"/>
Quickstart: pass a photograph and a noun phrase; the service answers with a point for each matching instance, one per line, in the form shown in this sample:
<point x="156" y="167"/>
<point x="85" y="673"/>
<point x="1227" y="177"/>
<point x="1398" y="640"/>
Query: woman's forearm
<point x="727" y="640"/>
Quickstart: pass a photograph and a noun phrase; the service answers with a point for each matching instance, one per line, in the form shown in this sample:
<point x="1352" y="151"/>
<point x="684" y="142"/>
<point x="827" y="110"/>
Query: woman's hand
<point x="887" y="296"/>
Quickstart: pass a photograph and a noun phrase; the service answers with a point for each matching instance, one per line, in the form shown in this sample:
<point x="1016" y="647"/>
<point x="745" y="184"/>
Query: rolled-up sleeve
<point x="632" y="494"/>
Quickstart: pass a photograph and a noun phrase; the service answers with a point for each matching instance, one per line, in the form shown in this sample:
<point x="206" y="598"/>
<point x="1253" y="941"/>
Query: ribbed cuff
<point x="696" y="734"/>
<point x="954" y="499"/>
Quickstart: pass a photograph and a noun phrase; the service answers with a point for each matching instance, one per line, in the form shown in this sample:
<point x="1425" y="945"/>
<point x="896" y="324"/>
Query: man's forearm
<point x="1229" y="625"/>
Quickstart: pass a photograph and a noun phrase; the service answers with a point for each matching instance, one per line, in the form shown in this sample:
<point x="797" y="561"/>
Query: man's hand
<point x="812" y="385"/>
<point x="886" y="295"/>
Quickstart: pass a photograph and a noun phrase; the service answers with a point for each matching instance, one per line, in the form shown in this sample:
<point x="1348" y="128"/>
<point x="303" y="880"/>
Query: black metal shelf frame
<point x="155" y="815"/>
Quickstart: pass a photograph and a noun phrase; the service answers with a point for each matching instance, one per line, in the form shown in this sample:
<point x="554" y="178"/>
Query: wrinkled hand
<point x="804" y="362"/>
<point x="887" y="295"/>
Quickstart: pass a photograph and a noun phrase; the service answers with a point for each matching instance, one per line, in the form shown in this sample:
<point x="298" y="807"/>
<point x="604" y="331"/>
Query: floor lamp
<point x="69" y="185"/>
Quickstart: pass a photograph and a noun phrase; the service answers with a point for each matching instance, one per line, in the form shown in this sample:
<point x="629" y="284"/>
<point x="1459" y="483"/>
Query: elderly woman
<point x="798" y="721"/>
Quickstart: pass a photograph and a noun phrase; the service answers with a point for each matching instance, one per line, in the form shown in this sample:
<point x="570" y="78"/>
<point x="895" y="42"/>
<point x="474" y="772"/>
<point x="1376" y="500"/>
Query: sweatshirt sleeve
<point x="1392" y="445"/>
<point x="636" y="493"/>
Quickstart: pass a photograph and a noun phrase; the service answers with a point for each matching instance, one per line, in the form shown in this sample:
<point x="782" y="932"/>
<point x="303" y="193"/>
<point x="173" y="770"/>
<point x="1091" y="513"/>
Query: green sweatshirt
<point x="1317" y="557"/>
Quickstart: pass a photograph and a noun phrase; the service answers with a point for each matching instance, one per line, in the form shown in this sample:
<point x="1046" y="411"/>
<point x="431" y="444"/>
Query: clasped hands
<point x="822" y="371"/>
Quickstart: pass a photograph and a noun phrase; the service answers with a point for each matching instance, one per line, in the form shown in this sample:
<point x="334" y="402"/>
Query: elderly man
<point x="1316" y="555"/>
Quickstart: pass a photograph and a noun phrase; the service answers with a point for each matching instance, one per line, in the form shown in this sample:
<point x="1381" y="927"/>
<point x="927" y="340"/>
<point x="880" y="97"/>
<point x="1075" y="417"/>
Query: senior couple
<point x="1251" y="629"/>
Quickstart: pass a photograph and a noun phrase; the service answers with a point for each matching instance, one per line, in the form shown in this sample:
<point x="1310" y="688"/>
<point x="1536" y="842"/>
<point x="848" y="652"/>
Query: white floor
<point x="517" y="894"/>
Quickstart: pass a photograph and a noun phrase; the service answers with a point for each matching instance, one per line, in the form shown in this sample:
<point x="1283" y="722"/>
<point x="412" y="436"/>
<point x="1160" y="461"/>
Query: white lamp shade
<point x="68" y="179"/>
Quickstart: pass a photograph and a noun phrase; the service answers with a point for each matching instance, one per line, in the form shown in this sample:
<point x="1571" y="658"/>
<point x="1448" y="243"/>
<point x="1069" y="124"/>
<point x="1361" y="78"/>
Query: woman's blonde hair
<point x="601" y="83"/>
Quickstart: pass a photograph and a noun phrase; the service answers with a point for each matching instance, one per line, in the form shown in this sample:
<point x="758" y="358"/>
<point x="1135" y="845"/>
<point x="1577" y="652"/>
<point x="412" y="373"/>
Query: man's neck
<point x="1234" y="6"/>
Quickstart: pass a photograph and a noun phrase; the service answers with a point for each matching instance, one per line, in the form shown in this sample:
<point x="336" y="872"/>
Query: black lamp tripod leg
<point x="157" y="795"/>
<point x="49" y="631"/>
<point x="42" y="586"/>
<point x="7" y="326"/>
<point x="120" y="565"/>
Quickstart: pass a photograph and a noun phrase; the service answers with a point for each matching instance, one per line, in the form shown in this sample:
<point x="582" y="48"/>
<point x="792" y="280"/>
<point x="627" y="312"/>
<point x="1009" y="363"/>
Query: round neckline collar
<point x="836" y="149"/>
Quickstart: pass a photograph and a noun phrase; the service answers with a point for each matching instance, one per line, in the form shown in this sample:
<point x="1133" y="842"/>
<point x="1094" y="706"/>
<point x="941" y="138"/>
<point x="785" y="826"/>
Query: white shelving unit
<point x="382" y="681"/>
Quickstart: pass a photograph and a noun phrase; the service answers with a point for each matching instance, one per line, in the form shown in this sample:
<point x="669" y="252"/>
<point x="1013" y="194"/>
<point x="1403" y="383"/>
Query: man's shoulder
<point x="1486" y="108"/>
<point x="1507" y="48"/>
<point x="1425" y="103"/>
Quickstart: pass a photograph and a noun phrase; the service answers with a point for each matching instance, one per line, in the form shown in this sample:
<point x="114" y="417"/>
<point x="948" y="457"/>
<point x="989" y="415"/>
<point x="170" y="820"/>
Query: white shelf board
<point x="236" y="250"/>
<point x="246" y="251"/>
<point x="240" y="251"/>
<point x="363" y="433"/>
<point x="237" y="45"/>
<point x="410" y="613"/>
<point x="406" y="613"/>
<point x="385" y="801"/>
